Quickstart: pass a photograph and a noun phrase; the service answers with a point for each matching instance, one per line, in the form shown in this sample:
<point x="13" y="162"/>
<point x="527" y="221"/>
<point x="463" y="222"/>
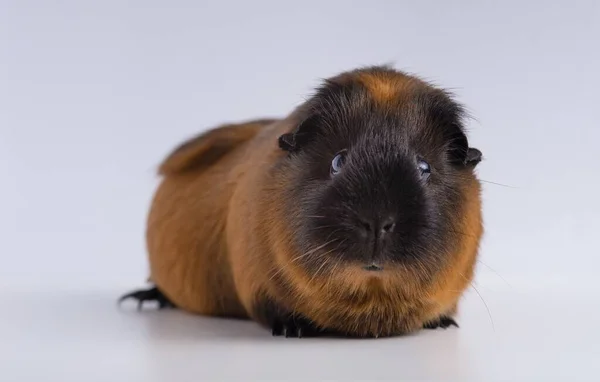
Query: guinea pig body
<point x="358" y="214"/>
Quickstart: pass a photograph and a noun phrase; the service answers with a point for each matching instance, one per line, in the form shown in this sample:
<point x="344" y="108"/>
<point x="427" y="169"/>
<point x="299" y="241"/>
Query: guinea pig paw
<point x="292" y="328"/>
<point x="153" y="294"/>
<point x="443" y="322"/>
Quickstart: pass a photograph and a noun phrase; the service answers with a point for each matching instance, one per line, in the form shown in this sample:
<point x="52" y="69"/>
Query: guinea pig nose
<point x="377" y="227"/>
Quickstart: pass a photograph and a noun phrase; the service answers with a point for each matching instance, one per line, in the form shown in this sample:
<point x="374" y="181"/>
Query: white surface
<point x="546" y="335"/>
<point x="93" y="94"/>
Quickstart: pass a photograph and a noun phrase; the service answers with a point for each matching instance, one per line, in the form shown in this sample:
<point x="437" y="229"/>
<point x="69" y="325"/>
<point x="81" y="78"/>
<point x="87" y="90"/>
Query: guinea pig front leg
<point x="283" y="323"/>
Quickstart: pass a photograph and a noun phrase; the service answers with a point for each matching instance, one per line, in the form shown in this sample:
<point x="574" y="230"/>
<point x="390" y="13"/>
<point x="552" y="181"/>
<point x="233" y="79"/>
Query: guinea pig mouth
<point x="373" y="267"/>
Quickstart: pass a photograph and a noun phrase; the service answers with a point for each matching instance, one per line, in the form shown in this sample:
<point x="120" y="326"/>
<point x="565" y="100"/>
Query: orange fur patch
<point x="382" y="87"/>
<point x="385" y="87"/>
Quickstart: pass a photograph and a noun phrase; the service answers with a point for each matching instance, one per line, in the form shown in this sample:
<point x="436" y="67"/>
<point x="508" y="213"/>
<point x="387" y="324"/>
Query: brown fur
<point x="185" y="234"/>
<point x="217" y="239"/>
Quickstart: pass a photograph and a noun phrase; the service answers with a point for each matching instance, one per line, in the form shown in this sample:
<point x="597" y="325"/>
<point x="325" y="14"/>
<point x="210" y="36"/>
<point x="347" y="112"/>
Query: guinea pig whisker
<point x="333" y="233"/>
<point x="482" y="300"/>
<point x="322" y="226"/>
<point x="338" y="261"/>
<point x="497" y="184"/>
<point x="285" y="266"/>
<point x="326" y="261"/>
<point x="315" y="216"/>
<point x="422" y="267"/>
<point x="310" y="252"/>
<point x="486" y="306"/>
<point x="493" y="270"/>
<point x="277" y="271"/>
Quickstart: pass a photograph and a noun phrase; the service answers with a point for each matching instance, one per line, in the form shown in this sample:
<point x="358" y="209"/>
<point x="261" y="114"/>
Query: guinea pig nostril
<point x="366" y="226"/>
<point x="389" y="227"/>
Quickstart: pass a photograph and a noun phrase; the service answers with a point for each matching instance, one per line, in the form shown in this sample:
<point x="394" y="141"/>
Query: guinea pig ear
<point x="287" y="142"/>
<point x="301" y="136"/>
<point x="459" y="151"/>
<point x="474" y="156"/>
<point x="458" y="146"/>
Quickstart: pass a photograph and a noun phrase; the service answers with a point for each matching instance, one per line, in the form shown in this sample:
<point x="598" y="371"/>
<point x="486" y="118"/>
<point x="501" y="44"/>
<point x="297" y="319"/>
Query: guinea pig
<point x="358" y="214"/>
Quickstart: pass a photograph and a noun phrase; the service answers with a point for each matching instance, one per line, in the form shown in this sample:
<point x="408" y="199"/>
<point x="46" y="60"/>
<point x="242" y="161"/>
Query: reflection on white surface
<point x="80" y="336"/>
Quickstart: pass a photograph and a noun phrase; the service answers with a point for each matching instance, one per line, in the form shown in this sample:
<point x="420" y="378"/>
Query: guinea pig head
<point x="379" y="178"/>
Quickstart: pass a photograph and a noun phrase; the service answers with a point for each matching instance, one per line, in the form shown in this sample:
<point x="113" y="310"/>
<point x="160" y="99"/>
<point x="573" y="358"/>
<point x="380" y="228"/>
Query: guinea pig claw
<point x="291" y="328"/>
<point x="279" y="329"/>
<point x="153" y="294"/>
<point x="293" y="331"/>
<point x="446" y="322"/>
<point x="443" y="322"/>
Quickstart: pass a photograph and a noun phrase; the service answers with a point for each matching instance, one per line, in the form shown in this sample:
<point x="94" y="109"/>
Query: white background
<point x="94" y="94"/>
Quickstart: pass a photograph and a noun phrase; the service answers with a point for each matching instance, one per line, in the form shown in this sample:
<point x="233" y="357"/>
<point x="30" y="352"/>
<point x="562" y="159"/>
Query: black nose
<point x="378" y="227"/>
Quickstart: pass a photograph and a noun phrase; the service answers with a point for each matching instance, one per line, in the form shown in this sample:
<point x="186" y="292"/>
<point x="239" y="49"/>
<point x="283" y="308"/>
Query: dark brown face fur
<point x="398" y="194"/>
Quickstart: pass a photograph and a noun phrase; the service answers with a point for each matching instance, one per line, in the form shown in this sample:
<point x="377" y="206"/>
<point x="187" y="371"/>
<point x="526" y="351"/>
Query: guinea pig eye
<point x="424" y="167"/>
<point x="338" y="162"/>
